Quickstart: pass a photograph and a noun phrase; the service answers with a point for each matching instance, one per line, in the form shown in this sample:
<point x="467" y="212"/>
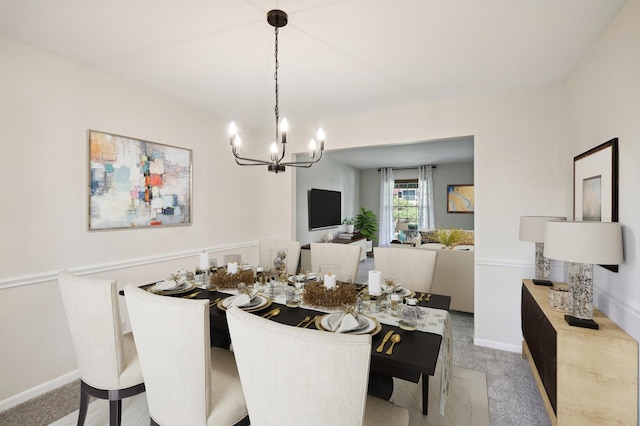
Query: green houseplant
<point x="350" y="223"/>
<point x="367" y="223"/>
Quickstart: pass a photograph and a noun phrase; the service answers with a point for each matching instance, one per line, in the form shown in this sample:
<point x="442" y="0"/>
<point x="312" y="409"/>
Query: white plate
<point x="258" y="302"/>
<point x="168" y="285"/>
<point x="404" y="292"/>
<point x="183" y="288"/>
<point x="308" y="279"/>
<point x="366" y="325"/>
<point x="252" y="304"/>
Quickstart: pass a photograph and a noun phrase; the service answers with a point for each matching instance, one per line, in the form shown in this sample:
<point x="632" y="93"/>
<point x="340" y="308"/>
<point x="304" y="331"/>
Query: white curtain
<point x="387" y="227"/>
<point x="426" y="213"/>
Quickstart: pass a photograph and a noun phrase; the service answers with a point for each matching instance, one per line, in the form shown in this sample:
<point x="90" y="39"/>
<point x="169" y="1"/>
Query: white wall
<point x="516" y="135"/>
<point x="330" y="174"/>
<point x="603" y="103"/>
<point x="47" y="104"/>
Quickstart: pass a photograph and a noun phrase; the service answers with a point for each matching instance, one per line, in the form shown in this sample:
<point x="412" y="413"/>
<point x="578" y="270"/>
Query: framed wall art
<point x="135" y="183"/>
<point x="460" y="198"/>
<point x="595" y="185"/>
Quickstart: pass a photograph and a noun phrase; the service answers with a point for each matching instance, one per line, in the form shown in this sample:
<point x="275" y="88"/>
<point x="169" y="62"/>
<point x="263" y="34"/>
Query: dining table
<point x="413" y="358"/>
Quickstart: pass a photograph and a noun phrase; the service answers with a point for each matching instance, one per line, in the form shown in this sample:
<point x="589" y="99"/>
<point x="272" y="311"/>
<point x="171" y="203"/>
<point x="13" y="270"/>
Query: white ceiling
<point x="336" y="57"/>
<point x="452" y="150"/>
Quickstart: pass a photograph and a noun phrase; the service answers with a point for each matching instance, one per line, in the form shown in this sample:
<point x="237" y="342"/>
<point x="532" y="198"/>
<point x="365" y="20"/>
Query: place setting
<point x="348" y="323"/>
<point x="172" y="287"/>
<point x="249" y="301"/>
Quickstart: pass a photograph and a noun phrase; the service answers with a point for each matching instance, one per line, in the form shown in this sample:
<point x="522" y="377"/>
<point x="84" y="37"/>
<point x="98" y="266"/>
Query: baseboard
<point x="497" y="345"/>
<point x="39" y="390"/>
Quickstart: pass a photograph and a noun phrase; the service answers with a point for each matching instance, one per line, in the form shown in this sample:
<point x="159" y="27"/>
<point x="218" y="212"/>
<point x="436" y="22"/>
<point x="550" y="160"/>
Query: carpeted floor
<point x="467" y="404"/>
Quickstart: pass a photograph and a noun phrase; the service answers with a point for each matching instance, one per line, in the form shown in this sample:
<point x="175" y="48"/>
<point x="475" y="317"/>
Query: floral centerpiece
<point x="222" y="279"/>
<point x="316" y="294"/>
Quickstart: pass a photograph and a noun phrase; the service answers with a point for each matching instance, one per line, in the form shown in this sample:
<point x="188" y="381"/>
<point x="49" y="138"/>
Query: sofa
<point x="454" y="274"/>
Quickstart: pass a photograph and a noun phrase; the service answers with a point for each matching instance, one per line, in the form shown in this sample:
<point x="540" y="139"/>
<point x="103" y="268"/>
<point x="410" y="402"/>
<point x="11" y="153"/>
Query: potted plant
<point x="367" y="223"/>
<point x="350" y="223"/>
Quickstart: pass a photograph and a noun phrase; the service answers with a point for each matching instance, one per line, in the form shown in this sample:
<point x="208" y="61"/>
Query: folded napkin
<point x="166" y="285"/>
<point x="342" y="323"/>
<point x="239" y="300"/>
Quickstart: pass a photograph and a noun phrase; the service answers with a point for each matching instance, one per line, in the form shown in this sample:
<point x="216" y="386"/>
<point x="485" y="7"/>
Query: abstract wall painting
<point x="135" y="183"/>
<point x="460" y="199"/>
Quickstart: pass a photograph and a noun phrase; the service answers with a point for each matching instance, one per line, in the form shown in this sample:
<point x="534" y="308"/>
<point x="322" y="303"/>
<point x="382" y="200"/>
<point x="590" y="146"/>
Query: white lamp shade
<point x="532" y="227"/>
<point x="584" y="242"/>
<point x="402" y="226"/>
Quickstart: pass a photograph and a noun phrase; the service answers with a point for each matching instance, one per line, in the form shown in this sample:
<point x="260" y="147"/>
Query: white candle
<point x="232" y="268"/>
<point x="203" y="260"/>
<point x="330" y="280"/>
<point x="375" y="283"/>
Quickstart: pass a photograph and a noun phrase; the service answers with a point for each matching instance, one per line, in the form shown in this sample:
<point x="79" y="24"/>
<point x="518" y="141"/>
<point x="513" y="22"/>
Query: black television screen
<point x="325" y="208"/>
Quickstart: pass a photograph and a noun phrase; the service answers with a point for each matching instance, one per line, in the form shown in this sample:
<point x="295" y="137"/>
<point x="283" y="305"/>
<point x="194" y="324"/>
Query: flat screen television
<point x="325" y="208"/>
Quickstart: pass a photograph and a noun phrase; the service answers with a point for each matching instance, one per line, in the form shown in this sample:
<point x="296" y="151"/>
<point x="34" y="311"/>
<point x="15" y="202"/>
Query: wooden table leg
<point x="425" y="394"/>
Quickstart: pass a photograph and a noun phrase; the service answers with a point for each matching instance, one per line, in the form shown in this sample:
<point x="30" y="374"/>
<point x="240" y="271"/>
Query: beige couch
<point x="454" y="275"/>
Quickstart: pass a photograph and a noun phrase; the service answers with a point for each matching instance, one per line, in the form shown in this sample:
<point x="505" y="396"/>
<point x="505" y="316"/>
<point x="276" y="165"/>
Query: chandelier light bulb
<point x="320" y="135"/>
<point x="237" y="141"/>
<point x="284" y="125"/>
<point x="233" y="130"/>
<point x="312" y="148"/>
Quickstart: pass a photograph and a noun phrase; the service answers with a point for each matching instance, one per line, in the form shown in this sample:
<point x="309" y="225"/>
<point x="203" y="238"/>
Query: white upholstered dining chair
<point x="293" y="253"/>
<point x="107" y="359"/>
<point x="293" y="376"/>
<point x="345" y="255"/>
<point x="188" y="382"/>
<point x="414" y="268"/>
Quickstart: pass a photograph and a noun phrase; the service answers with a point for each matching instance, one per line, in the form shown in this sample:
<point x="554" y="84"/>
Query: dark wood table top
<point x="416" y="354"/>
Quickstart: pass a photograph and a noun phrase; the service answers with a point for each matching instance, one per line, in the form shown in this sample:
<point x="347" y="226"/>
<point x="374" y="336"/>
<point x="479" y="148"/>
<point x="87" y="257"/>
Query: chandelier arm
<point x="253" y="162"/>
<point x="303" y="163"/>
<point x="283" y="151"/>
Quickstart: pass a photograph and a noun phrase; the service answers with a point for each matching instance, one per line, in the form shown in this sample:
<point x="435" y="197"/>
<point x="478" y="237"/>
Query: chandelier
<point x="277" y="19"/>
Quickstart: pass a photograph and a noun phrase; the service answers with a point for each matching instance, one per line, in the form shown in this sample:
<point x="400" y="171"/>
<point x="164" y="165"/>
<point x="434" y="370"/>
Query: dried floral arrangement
<point x="316" y="294"/>
<point x="221" y="279"/>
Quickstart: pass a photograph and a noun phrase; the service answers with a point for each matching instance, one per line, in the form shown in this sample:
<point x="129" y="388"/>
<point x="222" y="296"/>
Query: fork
<point x="303" y="321"/>
<point x="311" y="322"/>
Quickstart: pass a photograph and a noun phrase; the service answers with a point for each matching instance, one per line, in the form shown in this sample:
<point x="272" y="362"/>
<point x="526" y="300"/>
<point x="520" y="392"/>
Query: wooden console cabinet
<point x="584" y="376"/>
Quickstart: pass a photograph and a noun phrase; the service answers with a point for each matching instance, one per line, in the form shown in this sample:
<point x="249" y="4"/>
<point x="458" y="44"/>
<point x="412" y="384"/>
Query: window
<point x="405" y="201"/>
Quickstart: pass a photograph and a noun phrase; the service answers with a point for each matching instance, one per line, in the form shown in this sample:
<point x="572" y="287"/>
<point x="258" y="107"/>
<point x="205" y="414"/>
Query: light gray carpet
<point x="467" y="404"/>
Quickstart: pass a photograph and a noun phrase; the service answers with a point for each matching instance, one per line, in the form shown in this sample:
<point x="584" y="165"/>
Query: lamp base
<point x="580" y="322"/>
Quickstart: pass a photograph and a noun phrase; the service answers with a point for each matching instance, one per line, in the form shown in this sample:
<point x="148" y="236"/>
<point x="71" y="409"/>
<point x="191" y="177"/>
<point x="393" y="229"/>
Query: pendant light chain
<point x="277" y="19"/>
<point x="276" y="109"/>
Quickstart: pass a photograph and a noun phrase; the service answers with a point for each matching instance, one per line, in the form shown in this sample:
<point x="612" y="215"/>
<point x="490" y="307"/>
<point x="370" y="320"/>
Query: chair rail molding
<point x="42" y="277"/>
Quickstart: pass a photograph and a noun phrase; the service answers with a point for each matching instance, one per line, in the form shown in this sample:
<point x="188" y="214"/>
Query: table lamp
<point x="583" y="244"/>
<point x="532" y="229"/>
<point x="402" y="227"/>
